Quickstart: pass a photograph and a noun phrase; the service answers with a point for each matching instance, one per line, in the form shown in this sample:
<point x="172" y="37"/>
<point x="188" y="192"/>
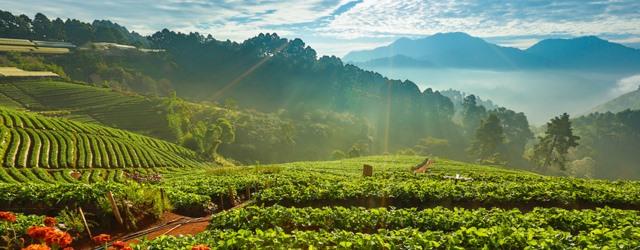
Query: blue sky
<point x="335" y="27"/>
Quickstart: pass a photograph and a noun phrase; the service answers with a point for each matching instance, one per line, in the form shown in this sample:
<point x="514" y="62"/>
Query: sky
<point x="335" y="27"/>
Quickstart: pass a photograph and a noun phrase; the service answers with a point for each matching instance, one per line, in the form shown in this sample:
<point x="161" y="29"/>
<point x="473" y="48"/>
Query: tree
<point x="472" y="114"/>
<point x="554" y="146"/>
<point x="78" y="32"/>
<point x="41" y="26"/>
<point x="516" y="131"/>
<point x="489" y="139"/>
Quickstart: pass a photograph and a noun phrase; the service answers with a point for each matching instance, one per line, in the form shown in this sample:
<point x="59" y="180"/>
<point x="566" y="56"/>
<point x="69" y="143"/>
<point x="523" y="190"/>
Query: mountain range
<point x="460" y="50"/>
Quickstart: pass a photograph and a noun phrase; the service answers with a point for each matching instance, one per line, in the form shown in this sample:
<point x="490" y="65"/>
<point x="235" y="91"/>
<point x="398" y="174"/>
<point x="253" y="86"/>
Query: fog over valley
<point x="540" y="94"/>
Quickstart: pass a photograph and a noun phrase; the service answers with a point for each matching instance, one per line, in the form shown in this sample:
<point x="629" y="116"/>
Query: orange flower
<point x="7" y="216"/>
<point x="120" y="245"/>
<point x="38" y="232"/>
<point x="59" y="238"/>
<point x="200" y="247"/>
<point x="37" y="247"/>
<point x="101" y="239"/>
<point x="50" y="221"/>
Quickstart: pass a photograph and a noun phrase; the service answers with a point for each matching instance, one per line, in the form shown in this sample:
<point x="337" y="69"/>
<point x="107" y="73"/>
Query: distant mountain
<point x="396" y="61"/>
<point x="460" y="50"/>
<point x="629" y="100"/>
<point x="587" y="52"/>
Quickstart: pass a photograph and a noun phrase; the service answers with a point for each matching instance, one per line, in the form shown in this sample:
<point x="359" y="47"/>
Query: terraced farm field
<point x="33" y="141"/>
<point x="331" y="205"/>
<point x="88" y="104"/>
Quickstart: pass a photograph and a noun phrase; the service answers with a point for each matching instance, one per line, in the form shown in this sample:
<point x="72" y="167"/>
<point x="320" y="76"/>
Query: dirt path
<point x="173" y="224"/>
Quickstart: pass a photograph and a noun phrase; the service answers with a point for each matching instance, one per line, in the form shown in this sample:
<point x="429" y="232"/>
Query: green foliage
<point x="554" y="146"/>
<point x="608" y="145"/>
<point x="472" y="114"/>
<point x="72" y="30"/>
<point x="431" y="219"/>
<point x="65" y="146"/>
<point x="489" y="139"/>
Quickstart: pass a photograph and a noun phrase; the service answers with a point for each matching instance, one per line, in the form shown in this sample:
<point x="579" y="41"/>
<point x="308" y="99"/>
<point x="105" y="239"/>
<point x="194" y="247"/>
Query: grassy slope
<point x="88" y="104"/>
<point x="30" y="140"/>
<point x="629" y="100"/>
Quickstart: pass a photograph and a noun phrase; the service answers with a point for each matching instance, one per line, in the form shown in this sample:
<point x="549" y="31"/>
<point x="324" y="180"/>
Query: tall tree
<point x="554" y="146"/>
<point x="41" y="27"/>
<point x="488" y="141"/>
<point x="472" y="114"/>
<point x="516" y="131"/>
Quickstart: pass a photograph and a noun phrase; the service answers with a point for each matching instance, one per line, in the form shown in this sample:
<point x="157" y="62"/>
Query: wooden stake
<point x="84" y="220"/>
<point x="232" y="196"/>
<point x="367" y="170"/>
<point x="114" y="207"/>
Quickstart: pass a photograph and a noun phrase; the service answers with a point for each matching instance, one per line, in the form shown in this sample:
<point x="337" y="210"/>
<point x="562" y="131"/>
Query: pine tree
<point x="554" y="146"/>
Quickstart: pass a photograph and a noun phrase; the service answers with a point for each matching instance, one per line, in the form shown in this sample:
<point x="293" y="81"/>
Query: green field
<point x="331" y="205"/>
<point x="88" y="104"/>
<point x="33" y="141"/>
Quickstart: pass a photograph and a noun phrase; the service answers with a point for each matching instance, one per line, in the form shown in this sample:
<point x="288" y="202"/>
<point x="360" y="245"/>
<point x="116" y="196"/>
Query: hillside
<point x="460" y="50"/>
<point x="89" y="104"/>
<point x="33" y="141"/>
<point x="629" y="100"/>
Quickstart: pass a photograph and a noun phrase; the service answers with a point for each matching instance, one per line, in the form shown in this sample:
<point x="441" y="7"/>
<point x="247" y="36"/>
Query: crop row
<point x="300" y="186"/>
<point x="552" y="191"/>
<point x="433" y="219"/>
<point x="41" y="175"/>
<point x="54" y="197"/>
<point x="500" y="237"/>
<point x="16" y="119"/>
<point x="129" y="112"/>
<point x="33" y="141"/>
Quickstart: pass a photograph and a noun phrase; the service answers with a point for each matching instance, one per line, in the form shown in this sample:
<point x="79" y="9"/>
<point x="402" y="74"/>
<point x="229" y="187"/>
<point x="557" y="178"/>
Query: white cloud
<point x="626" y="85"/>
<point x="368" y="19"/>
<point x="486" y="18"/>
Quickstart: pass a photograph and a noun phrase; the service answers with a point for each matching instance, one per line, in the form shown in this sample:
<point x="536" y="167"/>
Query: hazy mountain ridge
<point x="629" y="100"/>
<point x="460" y="50"/>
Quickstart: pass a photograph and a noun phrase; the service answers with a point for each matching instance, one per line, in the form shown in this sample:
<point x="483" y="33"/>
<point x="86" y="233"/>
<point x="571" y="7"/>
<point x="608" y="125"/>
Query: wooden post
<point x="84" y="220"/>
<point x="367" y="170"/>
<point x="162" y="199"/>
<point x="114" y="207"/>
<point x="232" y="196"/>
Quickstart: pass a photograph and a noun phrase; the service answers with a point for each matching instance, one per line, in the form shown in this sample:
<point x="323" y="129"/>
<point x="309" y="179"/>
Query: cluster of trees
<point x="609" y="144"/>
<point x="70" y="30"/>
<point x="496" y="136"/>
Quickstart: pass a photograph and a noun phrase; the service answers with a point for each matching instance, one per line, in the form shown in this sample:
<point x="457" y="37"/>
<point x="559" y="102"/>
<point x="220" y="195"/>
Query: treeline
<point x="70" y="30"/>
<point x="608" y="146"/>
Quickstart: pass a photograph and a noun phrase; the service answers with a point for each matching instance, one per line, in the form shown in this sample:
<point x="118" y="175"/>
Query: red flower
<point x="37" y="247"/>
<point x="50" y="221"/>
<point x="57" y="237"/>
<point x="101" y="239"/>
<point x="68" y="248"/>
<point x="200" y="247"/>
<point x="7" y="216"/>
<point x="38" y="232"/>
